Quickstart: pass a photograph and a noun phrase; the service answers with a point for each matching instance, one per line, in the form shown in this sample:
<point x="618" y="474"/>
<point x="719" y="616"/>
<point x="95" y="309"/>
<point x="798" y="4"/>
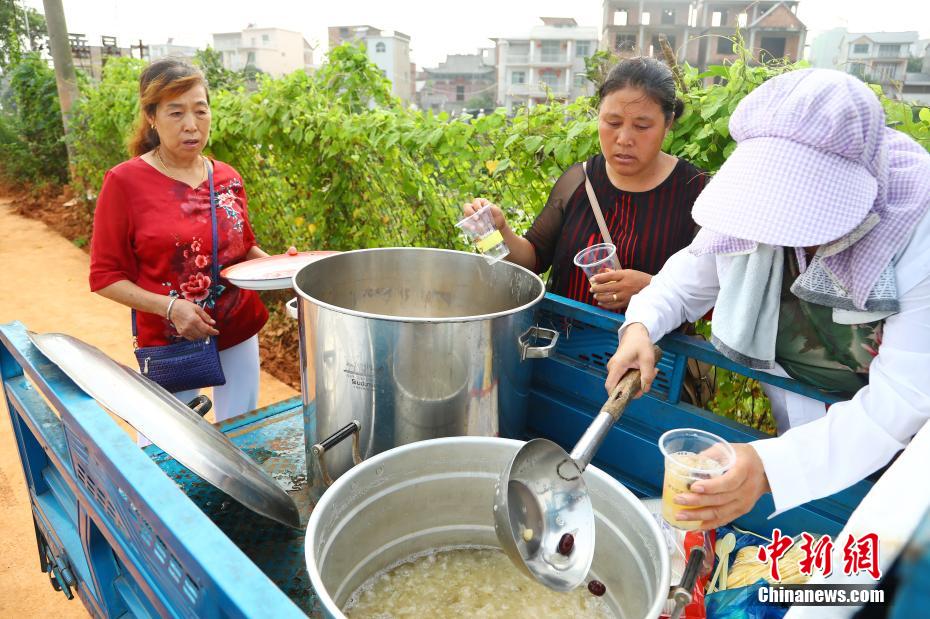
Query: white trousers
<point x="791" y="409"/>
<point x="240" y="393"/>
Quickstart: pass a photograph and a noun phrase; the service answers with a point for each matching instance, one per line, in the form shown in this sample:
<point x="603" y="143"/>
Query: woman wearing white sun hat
<point x="815" y="254"/>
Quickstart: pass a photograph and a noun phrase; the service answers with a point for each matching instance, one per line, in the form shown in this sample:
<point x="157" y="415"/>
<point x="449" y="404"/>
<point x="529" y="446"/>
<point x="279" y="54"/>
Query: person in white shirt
<point x="814" y="252"/>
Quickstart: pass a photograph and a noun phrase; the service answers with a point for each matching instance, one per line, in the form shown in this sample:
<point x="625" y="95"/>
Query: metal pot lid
<point x="271" y="273"/>
<point x="168" y="423"/>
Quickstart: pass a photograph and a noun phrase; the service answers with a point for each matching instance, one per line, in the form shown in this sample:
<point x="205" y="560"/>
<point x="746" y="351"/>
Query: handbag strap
<point x="595" y="206"/>
<point x="215" y="269"/>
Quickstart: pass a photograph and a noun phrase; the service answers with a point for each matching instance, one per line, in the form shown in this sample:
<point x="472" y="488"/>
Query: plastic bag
<point x="742" y="603"/>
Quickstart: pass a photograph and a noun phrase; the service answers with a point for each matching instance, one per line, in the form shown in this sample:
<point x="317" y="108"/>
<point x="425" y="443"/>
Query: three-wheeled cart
<point x="132" y="532"/>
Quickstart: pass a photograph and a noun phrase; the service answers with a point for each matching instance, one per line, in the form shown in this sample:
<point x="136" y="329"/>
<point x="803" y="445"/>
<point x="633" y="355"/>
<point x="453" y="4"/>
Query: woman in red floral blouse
<point x="152" y="239"/>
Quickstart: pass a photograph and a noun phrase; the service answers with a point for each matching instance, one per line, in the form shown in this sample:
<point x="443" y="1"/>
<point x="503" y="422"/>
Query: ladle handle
<point x="610" y="413"/>
<point x="625" y="390"/>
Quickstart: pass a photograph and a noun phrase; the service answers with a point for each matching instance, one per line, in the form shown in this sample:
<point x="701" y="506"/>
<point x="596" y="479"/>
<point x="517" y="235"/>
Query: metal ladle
<point x="541" y="496"/>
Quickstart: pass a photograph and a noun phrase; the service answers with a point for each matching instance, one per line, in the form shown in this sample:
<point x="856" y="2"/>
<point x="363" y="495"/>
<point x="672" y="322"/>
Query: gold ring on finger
<point x="615" y="297"/>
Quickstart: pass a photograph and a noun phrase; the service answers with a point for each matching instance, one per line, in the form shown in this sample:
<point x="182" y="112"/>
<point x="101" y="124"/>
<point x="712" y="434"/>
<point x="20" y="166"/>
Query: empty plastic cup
<point x="480" y="232"/>
<point x="690" y="455"/>
<point x="597" y="259"/>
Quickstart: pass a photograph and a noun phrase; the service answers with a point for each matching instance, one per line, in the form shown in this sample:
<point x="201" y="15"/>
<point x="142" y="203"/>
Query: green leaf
<point x="533" y="143"/>
<point x="715" y="71"/>
<point x="563" y="153"/>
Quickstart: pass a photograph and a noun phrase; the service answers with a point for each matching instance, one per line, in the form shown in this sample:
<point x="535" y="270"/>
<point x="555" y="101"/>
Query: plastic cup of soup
<point x="480" y="231"/>
<point x="596" y="259"/>
<point x="690" y="455"/>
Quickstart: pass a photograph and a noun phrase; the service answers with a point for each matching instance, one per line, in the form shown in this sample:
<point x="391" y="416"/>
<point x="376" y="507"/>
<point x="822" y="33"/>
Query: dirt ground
<point x="43" y="277"/>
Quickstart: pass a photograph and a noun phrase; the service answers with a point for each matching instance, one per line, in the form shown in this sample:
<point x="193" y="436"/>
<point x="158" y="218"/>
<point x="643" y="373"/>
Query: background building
<point x="271" y="50"/>
<point x="770" y="30"/>
<point x="389" y="50"/>
<point x="462" y="81"/>
<point x="92" y="58"/>
<point x="916" y="88"/>
<point x="160" y="50"/>
<point x="550" y="59"/>
<point x="634" y="26"/>
<point x="342" y="34"/>
<point x="879" y="57"/>
<point x="699" y="31"/>
<point x="898" y="61"/>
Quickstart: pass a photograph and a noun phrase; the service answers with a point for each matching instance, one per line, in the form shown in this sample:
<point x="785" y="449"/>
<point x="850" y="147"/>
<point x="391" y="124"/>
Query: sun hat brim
<point x="781" y="192"/>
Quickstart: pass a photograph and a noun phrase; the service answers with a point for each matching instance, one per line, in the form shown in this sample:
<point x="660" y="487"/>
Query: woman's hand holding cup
<point x="613" y="289"/>
<point x="497" y="215"/>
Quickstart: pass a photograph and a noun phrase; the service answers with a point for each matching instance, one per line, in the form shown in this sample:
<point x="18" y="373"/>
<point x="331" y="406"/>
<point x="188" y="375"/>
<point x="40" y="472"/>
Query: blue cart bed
<point x="131" y="541"/>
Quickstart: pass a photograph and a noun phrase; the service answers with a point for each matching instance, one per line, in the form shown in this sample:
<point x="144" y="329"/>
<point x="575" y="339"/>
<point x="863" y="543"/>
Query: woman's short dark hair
<point x="650" y="75"/>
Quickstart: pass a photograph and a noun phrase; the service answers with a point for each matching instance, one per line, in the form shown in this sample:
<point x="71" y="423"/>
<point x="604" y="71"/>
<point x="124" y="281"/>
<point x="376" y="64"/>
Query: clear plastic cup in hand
<point x="481" y="232"/>
<point x="690" y="455"/>
<point x="596" y="259"/>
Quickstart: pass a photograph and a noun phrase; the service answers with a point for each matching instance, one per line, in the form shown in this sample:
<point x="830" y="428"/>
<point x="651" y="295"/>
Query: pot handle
<point x="291" y="308"/>
<point x="200" y="405"/>
<point x="537" y="352"/>
<point x="681" y="594"/>
<point x="353" y="428"/>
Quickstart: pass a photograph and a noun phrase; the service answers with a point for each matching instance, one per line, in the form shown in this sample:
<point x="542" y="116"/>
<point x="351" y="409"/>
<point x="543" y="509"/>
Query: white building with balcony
<point x="879" y="57"/>
<point x="274" y="51"/>
<point x="916" y="88"/>
<point x="549" y="60"/>
<point x="389" y="50"/>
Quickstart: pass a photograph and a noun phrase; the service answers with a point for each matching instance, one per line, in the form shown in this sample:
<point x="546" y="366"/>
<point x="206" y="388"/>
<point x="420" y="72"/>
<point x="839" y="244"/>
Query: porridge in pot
<point x="467" y="582"/>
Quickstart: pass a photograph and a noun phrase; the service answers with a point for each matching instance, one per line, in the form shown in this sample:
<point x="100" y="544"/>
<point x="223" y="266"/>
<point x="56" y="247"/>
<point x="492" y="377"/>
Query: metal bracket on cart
<point x="57" y="567"/>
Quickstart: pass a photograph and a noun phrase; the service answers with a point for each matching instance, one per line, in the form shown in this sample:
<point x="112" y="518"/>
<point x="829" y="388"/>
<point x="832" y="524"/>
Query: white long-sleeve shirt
<point x="856" y="437"/>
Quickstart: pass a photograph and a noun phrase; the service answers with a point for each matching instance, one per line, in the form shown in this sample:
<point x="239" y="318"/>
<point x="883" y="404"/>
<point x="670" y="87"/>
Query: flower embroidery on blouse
<point x="195" y="277"/>
<point x="194" y="258"/>
<point x="196" y="288"/>
<point x="226" y="200"/>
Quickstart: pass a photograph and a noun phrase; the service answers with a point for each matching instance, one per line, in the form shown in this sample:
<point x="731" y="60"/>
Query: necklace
<point x="203" y="172"/>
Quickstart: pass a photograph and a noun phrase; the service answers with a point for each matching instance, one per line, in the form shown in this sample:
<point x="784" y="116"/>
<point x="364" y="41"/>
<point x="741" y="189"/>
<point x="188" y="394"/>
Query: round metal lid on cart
<point x="168" y="423"/>
<point x="272" y="273"/>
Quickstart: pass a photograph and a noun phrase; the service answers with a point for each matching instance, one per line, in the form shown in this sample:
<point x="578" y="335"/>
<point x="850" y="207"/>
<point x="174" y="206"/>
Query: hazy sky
<point x="436" y="28"/>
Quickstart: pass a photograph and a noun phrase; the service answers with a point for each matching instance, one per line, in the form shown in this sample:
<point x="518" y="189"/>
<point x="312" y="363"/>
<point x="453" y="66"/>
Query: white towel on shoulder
<point x="745" y="324"/>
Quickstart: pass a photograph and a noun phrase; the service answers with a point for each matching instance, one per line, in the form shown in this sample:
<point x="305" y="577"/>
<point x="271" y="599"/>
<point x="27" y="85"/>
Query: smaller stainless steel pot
<point x="436" y="493"/>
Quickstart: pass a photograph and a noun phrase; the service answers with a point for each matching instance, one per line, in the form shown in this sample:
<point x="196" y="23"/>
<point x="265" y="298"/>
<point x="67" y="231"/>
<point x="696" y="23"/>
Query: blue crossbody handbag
<point x="187" y="364"/>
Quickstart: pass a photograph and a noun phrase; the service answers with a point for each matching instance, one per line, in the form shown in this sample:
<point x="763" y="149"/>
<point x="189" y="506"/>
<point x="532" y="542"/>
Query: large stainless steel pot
<point x="439" y="493"/>
<point x="405" y="344"/>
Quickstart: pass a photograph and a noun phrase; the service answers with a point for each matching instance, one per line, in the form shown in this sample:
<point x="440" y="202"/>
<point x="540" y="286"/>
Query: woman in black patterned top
<point x="645" y="194"/>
